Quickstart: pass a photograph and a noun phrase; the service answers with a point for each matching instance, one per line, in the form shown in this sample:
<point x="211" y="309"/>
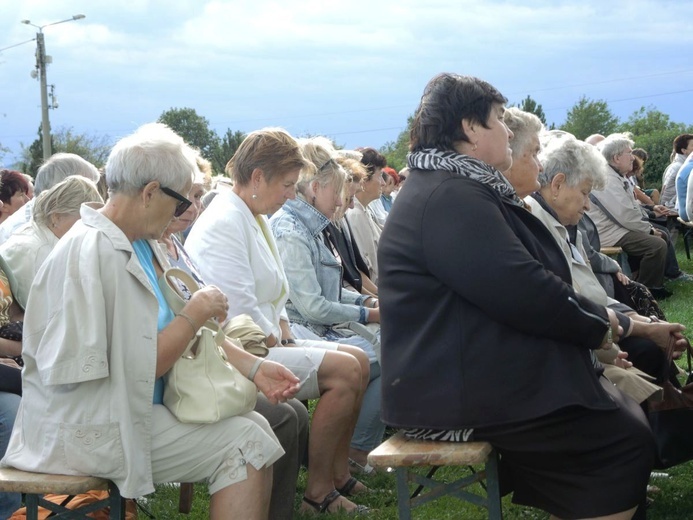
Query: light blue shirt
<point x="146" y="257"/>
<point x="682" y="188"/>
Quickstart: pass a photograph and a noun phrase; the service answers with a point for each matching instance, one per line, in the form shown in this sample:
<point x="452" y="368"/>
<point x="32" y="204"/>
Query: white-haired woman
<point x="318" y="305"/>
<point x="232" y="246"/>
<point x="55" y="212"/>
<point x="99" y="337"/>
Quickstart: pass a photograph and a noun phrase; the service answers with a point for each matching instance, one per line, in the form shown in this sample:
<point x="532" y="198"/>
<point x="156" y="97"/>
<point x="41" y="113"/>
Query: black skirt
<point x="573" y="463"/>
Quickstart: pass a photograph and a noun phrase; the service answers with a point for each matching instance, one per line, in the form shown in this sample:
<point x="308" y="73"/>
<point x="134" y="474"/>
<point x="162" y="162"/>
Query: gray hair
<point x="523" y="125"/>
<point x="65" y="198"/>
<point x="615" y="144"/>
<point x="59" y="167"/>
<point x="153" y="153"/>
<point x="320" y="152"/>
<point x="577" y="160"/>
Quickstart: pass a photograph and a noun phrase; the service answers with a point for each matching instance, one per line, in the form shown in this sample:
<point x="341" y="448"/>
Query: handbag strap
<point x="168" y="282"/>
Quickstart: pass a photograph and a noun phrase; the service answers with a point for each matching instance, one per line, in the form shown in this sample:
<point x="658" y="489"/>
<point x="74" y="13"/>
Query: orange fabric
<point x="77" y="502"/>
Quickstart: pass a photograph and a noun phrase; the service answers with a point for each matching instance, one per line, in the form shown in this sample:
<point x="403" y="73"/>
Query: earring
<point x="474" y="147"/>
<point x="254" y="196"/>
<point x="313" y="200"/>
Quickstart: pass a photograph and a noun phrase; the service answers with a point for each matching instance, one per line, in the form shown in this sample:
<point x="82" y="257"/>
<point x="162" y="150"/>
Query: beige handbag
<point x="202" y="386"/>
<point x="249" y="333"/>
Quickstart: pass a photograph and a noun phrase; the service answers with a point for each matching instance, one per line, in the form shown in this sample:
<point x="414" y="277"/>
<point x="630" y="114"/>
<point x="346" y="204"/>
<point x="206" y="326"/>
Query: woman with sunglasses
<point x="100" y="337"/>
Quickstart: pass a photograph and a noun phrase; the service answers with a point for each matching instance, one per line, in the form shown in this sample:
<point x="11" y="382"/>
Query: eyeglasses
<point x="183" y="203"/>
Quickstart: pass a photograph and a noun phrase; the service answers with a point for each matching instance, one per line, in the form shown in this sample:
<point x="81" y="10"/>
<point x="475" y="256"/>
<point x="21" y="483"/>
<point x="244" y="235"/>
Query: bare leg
<point x="341" y="462"/>
<point x="247" y="499"/>
<point x="339" y="378"/>
<point x="623" y="515"/>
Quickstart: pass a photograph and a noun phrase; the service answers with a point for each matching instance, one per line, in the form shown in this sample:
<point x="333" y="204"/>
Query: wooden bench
<point x="402" y="454"/>
<point x="611" y="251"/>
<point x="36" y="485"/>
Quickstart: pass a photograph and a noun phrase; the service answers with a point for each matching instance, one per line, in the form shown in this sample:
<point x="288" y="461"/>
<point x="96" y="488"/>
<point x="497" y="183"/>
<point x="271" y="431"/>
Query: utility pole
<point x="41" y="61"/>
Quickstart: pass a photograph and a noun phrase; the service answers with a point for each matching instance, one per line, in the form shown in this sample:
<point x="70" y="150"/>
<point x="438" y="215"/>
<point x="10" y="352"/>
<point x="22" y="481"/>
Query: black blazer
<point x="477" y="330"/>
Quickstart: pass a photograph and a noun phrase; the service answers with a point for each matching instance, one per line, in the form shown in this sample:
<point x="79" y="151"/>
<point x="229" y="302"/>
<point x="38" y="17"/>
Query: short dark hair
<point x="12" y="182"/>
<point x="372" y="159"/>
<point x="681" y="142"/>
<point x="446" y="101"/>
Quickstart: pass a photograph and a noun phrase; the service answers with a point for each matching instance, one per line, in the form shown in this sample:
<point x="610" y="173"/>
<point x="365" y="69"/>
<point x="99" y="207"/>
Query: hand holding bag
<point x="671" y="420"/>
<point x="202" y="386"/>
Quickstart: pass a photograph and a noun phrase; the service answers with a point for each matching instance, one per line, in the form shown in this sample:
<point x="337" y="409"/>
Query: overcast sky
<point x="351" y="70"/>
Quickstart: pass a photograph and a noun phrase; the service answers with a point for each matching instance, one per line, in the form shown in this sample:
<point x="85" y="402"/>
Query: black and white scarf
<point x="434" y="159"/>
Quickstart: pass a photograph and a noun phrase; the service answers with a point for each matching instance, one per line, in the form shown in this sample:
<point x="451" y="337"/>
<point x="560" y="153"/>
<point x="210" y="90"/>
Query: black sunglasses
<point x="183" y="203"/>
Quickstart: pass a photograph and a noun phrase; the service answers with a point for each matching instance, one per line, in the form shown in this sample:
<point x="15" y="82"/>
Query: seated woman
<point x="483" y="338"/>
<point x="318" y="306"/>
<point x="55" y="212"/>
<point x="14" y="192"/>
<point x="289" y="421"/>
<point x="569" y="167"/>
<point x="365" y="228"/>
<point x="355" y="269"/>
<point x="232" y="246"/>
<point x="100" y="337"/>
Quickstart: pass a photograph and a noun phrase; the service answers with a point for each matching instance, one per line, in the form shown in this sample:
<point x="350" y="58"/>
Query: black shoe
<point x="660" y="293"/>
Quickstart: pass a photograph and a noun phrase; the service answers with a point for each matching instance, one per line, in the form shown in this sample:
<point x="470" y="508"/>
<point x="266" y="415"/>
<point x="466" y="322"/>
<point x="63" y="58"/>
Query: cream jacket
<point x="238" y="254"/>
<point x="366" y="234"/>
<point x="24" y="252"/>
<point x="90" y="344"/>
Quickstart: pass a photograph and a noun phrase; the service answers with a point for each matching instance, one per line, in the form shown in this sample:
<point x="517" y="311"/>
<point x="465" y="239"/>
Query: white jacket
<point x="90" y="334"/>
<point x="24" y="252"/>
<point x="237" y="252"/>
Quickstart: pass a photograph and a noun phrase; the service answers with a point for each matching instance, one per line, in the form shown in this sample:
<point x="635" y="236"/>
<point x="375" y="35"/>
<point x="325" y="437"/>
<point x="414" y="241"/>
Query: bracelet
<point x="289" y="341"/>
<point x="256" y="366"/>
<point x="190" y="321"/>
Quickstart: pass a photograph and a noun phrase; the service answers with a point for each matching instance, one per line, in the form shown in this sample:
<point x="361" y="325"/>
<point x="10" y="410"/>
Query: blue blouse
<point x="146" y="257"/>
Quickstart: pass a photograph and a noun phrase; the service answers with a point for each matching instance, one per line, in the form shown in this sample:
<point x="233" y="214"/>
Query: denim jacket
<point x="317" y="299"/>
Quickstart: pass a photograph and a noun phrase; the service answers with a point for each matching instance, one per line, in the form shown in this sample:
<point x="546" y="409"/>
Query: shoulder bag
<point x="671" y="419"/>
<point x="202" y="386"/>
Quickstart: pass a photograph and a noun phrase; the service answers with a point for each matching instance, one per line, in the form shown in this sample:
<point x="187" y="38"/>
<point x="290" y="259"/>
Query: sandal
<point x="365" y="470"/>
<point x="348" y="487"/>
<point x="321" y="507"/>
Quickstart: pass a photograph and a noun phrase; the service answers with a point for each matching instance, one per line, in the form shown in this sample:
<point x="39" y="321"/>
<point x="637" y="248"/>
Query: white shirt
<point x="366" y="233"/>
<point x="16" y="220"/>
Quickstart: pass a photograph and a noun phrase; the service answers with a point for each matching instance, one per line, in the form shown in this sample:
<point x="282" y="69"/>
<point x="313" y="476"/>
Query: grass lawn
<point x="675" y="502"/>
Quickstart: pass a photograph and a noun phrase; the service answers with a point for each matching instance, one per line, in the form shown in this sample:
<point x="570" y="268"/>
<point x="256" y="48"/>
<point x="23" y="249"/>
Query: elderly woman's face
<point x="492" y="142"/>
<point x="571" y="202"/>
<point x="373" y="185"/>
<point x="188" y="218"/>
<point x="524" y="173"/>
<point x="273" y="194"/>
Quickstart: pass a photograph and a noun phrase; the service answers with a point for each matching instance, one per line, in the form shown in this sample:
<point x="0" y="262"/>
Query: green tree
<point x="192" y="127"/>
<point x="589" y="117"/>
<point x="396" y="151"/>
<point x="649" y="120"/>
<point x="530" y="105"/>
<point x="224" y="149"/>
<point x="93" y="148"/>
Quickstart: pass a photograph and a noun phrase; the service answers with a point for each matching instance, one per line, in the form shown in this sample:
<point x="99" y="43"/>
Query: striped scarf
<point x="434" y="159"/>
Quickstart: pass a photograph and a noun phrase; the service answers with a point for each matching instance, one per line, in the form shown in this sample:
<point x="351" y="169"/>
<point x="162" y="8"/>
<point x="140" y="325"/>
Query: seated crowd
<point x="320" y="250"/>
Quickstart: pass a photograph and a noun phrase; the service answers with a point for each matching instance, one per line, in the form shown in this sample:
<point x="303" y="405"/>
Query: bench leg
<point x="31" y="503"/>
<point x="403" y="501"/>
<point x="495" y="510"/>
<point x="117" y="503"/>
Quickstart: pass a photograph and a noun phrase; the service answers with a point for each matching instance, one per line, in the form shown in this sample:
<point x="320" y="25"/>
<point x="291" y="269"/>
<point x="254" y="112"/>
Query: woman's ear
<point x="556" y="184"/>
<point x="256" y="176"/>
<point x="148" y="192"/>
<point x="469" y="128"/>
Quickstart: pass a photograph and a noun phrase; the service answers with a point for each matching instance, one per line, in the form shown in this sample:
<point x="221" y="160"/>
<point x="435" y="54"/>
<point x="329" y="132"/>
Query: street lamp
<point x="41" y="66"/>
